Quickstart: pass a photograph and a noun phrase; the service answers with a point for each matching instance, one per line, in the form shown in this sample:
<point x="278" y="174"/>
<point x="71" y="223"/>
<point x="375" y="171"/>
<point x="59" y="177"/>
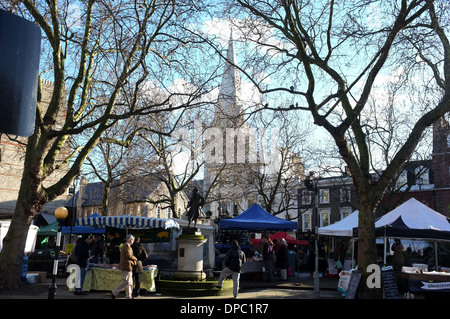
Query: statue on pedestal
<point x="194" y="205"/>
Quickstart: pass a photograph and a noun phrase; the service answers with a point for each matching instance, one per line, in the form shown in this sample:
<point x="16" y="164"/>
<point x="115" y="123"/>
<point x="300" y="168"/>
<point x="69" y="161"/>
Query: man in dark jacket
<point x="112" y="249"/>
<point x="82" y="257"/>
<point x="234" y="259"/>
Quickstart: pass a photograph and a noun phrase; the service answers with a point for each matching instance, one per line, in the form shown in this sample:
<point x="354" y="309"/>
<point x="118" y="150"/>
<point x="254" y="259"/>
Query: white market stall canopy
<point x="127" y="221"/>
<point x="412" y="219"/>
<point x="31" y="236"/>
<point x="342" y="228"/>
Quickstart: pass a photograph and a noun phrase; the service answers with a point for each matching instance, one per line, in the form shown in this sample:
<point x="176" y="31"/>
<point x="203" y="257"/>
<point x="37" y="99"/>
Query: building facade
<point x="147" y="199"/>
<point x="328" y="200"/>
<point x="12" y="156"/>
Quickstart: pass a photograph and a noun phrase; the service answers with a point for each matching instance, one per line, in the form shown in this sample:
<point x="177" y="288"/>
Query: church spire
<point x="229" y="100"/>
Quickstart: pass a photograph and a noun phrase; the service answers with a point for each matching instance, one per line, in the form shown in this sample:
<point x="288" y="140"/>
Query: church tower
<point x="227" y="146"/>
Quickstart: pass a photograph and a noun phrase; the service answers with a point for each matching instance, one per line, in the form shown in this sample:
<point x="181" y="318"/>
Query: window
<point x="306" y="198"/>
<point x="345" y="212"/>
<point x="324" y="196"/>
<point x="138" y="210"/>
<point x="402" y="179"/>
<point x="423" y="173"/>
<point x="307" y="221"/>
<point x="158" y="212"/>
<point x="324" y="218"/>
<point x="345" y="194"/>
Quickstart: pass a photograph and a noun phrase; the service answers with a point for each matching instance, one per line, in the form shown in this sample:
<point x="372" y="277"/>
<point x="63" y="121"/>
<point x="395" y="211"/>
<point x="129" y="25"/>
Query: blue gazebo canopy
<point x="256" y="219"/>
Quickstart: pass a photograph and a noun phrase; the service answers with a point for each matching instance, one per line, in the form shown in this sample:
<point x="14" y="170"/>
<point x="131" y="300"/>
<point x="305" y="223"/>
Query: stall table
<point x="106" y="279"/>
<point x="430" y="283"/>
<point x="427" y="276"/>
<point x="252" y="269"/>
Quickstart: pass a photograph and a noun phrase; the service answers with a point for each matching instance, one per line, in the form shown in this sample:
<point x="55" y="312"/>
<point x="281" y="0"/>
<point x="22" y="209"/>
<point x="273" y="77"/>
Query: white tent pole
<point x="436" y="254"/>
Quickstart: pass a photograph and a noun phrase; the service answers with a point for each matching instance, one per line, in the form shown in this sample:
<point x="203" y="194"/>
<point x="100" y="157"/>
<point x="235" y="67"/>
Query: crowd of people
<point x="129" y="257"/>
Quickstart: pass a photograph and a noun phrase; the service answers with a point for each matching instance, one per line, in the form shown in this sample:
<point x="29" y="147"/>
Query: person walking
<point x="82" y="256"/>
<point x="141" y="254"/>
<point x="234" y="259"/>
<point x="126" y="264"/>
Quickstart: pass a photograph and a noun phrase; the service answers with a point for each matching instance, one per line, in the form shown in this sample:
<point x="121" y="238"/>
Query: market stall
<point x="85" y="229"/>
<point x="414" y="220"/>
<point x="127" y="222"/>
<point x="107" y="276"/>
<point x="278" y="235"/>
<point x="429" y="283"/>
<point x="31" y="235"/>
<point x="256" y="219"/>
<point x="102" y="277"/>
<point x="342" y="228"/>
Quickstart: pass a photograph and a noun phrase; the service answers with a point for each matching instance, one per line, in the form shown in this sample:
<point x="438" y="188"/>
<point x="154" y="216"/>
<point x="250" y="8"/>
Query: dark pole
<point x="60" y="214"/>
<point x="52" y="289"/>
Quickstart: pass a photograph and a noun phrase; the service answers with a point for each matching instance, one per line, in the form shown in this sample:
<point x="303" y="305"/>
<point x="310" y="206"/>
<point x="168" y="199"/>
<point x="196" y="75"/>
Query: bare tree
<point x="277" y="181"/>
<point x="99" y="62"/>
<point x="330" y="57"/>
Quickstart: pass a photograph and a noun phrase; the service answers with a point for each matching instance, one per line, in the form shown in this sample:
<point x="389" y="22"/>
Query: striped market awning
<point x="127" y="221"/>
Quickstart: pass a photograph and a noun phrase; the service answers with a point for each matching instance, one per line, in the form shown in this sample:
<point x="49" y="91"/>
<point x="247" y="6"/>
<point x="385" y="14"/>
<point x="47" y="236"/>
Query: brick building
<point x="12" y="155"/>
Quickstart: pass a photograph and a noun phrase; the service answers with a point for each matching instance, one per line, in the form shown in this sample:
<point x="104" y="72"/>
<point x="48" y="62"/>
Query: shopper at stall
<point x="282" y="261"/>
<point x="141" y="254"/>
<point x="234" y="259"/>
<point x="113" y="249"/>
<point x="398" y="258"/>
<point x="126" y="264"/>
<point x="268" y="257"/>
<point x="96" y="250"/>
<point x="82" y="256"/>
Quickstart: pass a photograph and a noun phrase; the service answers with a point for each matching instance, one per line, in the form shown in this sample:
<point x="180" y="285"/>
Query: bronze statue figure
<point x="194" y="205"/>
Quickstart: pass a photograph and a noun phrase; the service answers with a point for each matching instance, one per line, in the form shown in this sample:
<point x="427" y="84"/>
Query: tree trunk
<point x="367" y="252"/>
<point x="27" y="206"/>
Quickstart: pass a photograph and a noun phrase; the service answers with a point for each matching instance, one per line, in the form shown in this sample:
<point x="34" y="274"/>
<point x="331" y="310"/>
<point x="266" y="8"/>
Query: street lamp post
<point x="312" y="185"/>
<point x="60" y="214"/>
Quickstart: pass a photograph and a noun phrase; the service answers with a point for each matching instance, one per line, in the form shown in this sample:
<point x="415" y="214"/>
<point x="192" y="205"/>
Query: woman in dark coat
<point x="141" y="254"/>
<point x="282" y="259"/>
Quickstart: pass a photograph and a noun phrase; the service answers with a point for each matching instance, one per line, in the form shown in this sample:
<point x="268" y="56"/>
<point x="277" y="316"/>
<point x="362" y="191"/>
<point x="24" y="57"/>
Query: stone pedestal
<point x="190" y="256"/>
